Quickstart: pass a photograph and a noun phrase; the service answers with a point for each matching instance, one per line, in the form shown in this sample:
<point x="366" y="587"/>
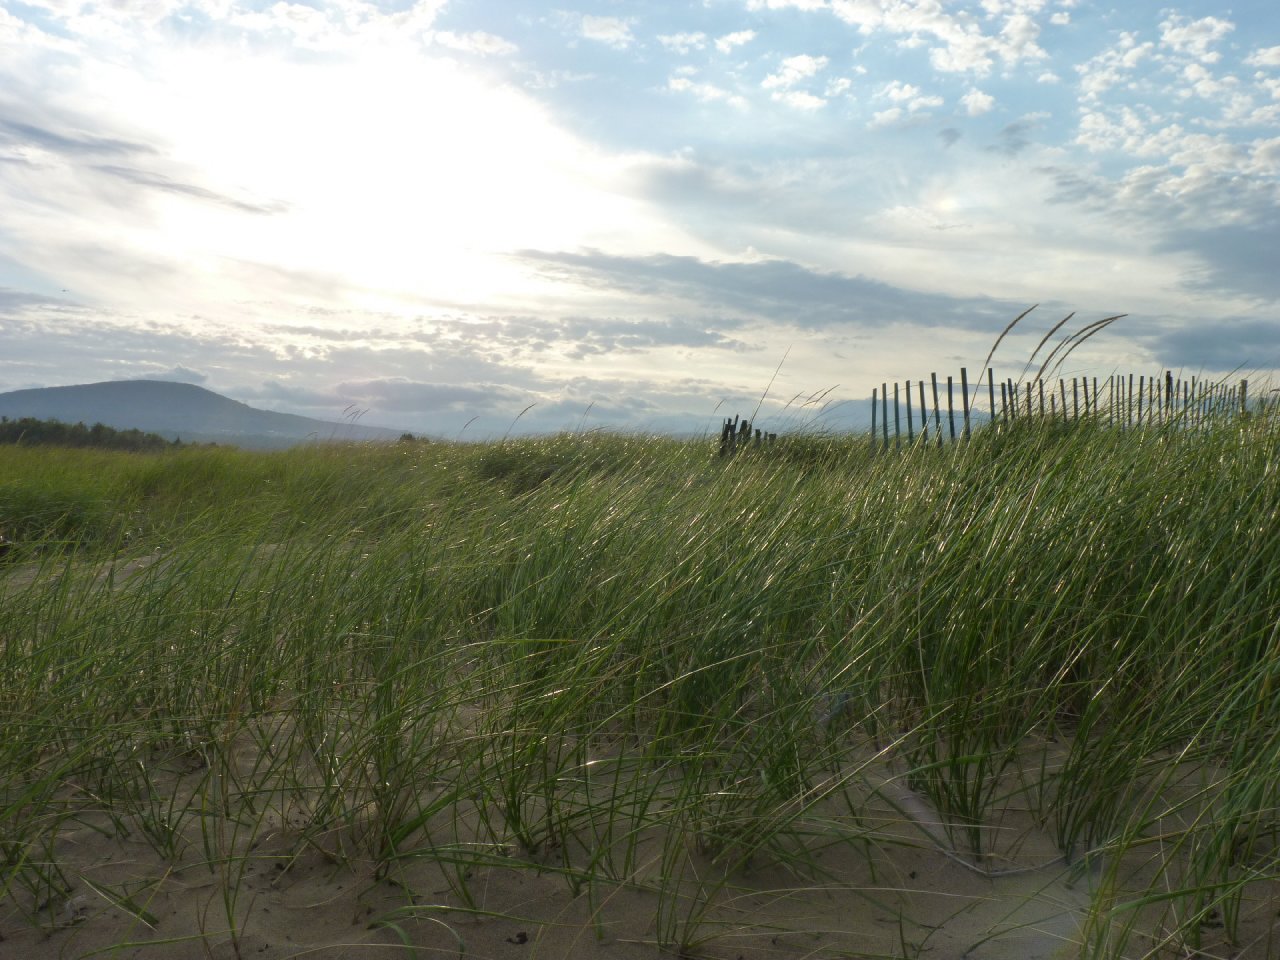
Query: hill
<point x="179" y="411"/>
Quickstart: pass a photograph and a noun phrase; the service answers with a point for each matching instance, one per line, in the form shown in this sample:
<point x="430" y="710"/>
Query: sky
<point x="468" y="217"/>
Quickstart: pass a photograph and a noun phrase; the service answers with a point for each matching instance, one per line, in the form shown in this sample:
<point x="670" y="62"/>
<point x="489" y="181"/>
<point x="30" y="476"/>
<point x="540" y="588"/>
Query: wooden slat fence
<point x="738" y="434"/>
<point x="1118" y="401"/>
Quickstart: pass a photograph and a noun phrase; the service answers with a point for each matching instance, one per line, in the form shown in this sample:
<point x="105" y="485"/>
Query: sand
<point x="891" y="884"/>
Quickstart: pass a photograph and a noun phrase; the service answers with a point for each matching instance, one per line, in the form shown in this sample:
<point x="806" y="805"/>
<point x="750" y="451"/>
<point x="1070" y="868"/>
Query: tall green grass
<point x="623" y="661"/>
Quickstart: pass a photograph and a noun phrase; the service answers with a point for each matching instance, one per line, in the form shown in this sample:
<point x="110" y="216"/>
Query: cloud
<point x="611" y="31"/>
<point x="1264" y="57"/>
<point x="776" y="290"/>
<point x="683" y="42"/>
<point x="178" y="374"/>
<point x="793" y="70"/>
<point x="1203" y="84"/>
<point x="885" y="118"/>
<point x="400" y="395"/>
<point x="905" y="93"/>
<point x="1233" y="259"/>
<point x="958" y="44"/>
<point x="476" y="41"/>
<point x="729" y="41"/>
<point x="67" y="143"/>
<point x="949" y="136"/>
<point x="786" y="4"/>
<point x="12" y="301"/>
<point x="1237" y="345"/>
<point x="157" y="181"/>
<point x="800" y="100"/>
<point x="706" y="92"/>
<point x="1112" y="66"/>
<point x="1013" y="138"/>
<point x="977" y="103"/>
<point x="1194" y="37"/>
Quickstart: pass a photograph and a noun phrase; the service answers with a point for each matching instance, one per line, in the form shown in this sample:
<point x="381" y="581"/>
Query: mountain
<point x="179" y="410"/>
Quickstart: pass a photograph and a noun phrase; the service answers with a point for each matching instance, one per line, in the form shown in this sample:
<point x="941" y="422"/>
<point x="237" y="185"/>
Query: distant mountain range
<point x="179" y="411"/>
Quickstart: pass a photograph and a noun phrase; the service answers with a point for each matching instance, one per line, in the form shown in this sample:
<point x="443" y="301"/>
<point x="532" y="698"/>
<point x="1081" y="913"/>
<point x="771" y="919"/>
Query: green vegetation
<point x="33" y="433"/>
<point x="625" y="664"/>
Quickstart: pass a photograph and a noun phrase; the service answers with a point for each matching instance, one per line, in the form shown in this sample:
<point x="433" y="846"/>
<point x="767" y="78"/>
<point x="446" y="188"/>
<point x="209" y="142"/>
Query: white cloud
<point x="799" y="99"/>
<point x="475" y="42"/>
<point x="612" y="31"/>
<point x="898" y="91"/>
<point x="794" y="70"/>
<point x="683" y="42"/>
<point x="1060" y="19"/>
<point x="1204" y="84"/>
<point x="838" y="86"/>
<point x="786" y="4"/>
<point x="1048" y="77"/>
<point x="977" y="103"/>
<point x="1264" y="57"/>
<point x="959" y="43"/>
<point x="1194" y="37"/>
<point x="1111" y="67"/>
<point x="706" y="92"/>
<point x="726" y="43"/>
<point x="884" y="118"/>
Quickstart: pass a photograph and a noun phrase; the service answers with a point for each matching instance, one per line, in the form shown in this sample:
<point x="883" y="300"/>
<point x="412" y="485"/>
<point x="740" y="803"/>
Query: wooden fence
<point x="1117" y="401"/>
<point x="737" y="434"/>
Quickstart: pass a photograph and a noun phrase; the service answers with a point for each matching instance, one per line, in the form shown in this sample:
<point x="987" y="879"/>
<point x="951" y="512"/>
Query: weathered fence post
<point x="874" y="404"/>
<point x="884" y="412"/>
<point x="964" y="387"/>
<point x="924" y="417"/>
<point x="897" y="418"/>
<point x="937" y="409"/>
<point x="911" y="433"/>
<point x="951" y="411"/>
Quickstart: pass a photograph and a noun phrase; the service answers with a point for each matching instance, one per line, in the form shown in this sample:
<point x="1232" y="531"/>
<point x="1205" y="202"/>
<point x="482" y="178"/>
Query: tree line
<point x="28" y="431"/>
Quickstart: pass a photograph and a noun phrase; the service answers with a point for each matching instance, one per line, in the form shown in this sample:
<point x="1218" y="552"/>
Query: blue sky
<point x="631" y="215"/>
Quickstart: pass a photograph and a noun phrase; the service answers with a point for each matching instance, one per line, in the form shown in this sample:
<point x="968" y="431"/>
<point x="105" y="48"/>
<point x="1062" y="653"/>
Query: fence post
<point x="911" y="434"/>
<point x="897" y="418"/>
<point x="951" y="412"/>
<point x="964" y="387"/>
<point x="991" y="393"/>
<point x="924" y="417"/>
<point x="937" y="410"/>
<point x="884" y="412"/>
<point x="875" y="398"/>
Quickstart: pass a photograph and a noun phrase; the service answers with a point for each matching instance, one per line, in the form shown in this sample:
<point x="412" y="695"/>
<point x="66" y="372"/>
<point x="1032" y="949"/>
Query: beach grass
<point x="689" y="692"/>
